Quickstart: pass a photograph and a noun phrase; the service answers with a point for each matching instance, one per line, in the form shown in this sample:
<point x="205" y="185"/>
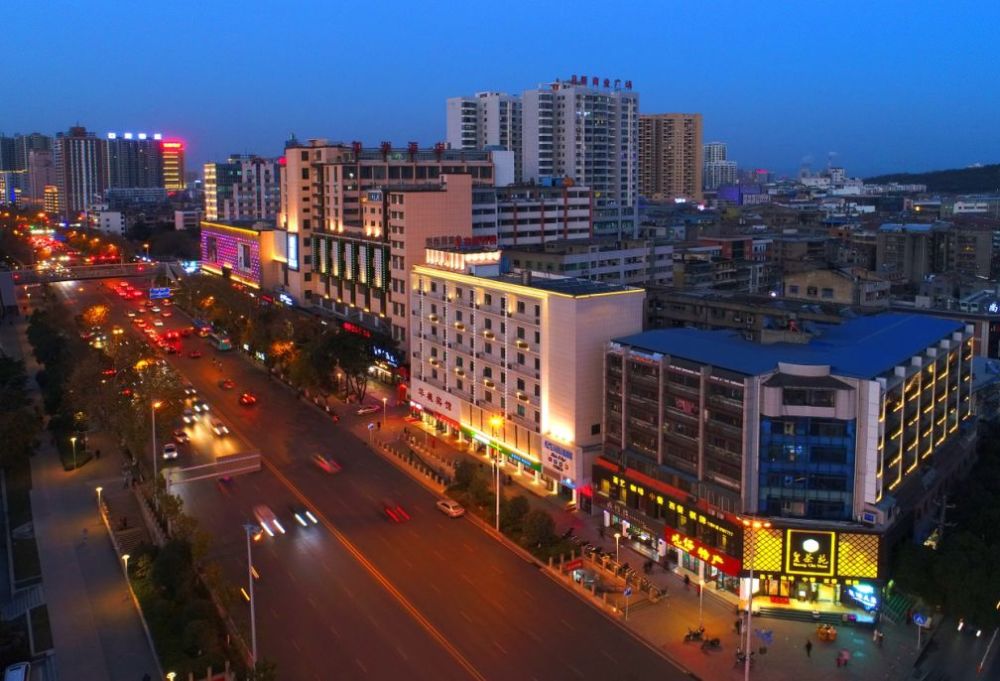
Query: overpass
<point x="82" y="272"/>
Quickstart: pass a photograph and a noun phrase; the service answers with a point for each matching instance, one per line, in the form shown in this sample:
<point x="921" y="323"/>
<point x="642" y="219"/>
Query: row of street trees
<point x="305" y="349"/>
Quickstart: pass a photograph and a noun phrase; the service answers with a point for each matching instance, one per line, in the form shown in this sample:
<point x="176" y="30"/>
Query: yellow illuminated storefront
<point x="823" y="570"/>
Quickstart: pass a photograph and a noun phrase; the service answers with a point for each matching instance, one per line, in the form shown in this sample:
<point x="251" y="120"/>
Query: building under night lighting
<point x="173" y="165"/>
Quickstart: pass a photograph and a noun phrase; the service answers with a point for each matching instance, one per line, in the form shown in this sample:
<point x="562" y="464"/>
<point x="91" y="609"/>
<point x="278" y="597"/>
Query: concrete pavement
<point x="96" y="630"/>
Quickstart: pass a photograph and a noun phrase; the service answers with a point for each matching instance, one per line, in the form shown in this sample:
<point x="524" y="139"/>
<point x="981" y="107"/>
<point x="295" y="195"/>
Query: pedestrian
<point x="687" y="582"/>
<point x="97" y="454"/>
<point x="600" y="531"/>
<point x="880" y="639"/>
<point x="739" y="625"/>
<point x="809" y="648"/>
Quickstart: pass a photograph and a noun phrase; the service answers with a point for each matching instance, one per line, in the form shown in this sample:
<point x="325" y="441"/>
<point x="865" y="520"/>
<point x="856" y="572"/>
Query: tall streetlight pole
<point x="250" y="529"/>
<point x="753" y="526"/>
<point x="153" y="406"/>
<point x="618" y="536"/>
<point x="496" y="422"/>
<point x="125" y="558"/>
<point x="385" y="402"/>
<point x="73" y="441"/>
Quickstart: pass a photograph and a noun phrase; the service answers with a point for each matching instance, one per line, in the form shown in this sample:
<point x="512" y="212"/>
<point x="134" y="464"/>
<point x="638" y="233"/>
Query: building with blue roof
<point x="838" y="435"/>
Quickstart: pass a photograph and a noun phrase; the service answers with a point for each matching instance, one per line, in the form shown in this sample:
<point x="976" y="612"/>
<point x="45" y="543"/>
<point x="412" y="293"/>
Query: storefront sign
<point x="558" y="458"/>
<point x="864" y="595"/>
<point x="711" y="557"/>
<point x="511" y="454"/>
<point x="809" y="553"/>
<point x="436" y="401"/>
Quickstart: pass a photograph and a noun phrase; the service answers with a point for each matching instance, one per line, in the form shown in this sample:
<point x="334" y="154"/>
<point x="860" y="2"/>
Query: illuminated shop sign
<point x="810" y="553"/>
<point x="864" y="595"/>
<point x="293" y="251"/>
<point x="386" y="356"/>
<point x="711" y="557"/>
<point x="511" y="454"/>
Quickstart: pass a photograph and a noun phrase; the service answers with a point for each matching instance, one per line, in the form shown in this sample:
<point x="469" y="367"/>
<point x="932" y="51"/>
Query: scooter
<point x="694" y="634"/>
<point x="711" y="644"/>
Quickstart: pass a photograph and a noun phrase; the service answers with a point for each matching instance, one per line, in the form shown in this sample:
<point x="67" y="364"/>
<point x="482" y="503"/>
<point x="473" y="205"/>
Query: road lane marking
<point x="567" y="624"/>
<point x="609" y="656"/>
<point x="402" y="654"/>
<point x="576" y="671"/>
<point x="500" y="647"/>
<point x="419" y="617"/>
<point x="333" y="631"/>
<point x="465" y="617"/>
<point x="363" y="668"/>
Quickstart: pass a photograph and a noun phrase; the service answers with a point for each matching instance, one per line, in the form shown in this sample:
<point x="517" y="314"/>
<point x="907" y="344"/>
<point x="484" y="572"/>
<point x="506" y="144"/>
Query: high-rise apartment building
<point x="41" y="173"/>
<point x="78" y="157"/>
<point x="173" y="165"/>
<point x="243" y="188"/>
<point x="510" y="362"/>
<point x="587" y="130"/>
<point x="716" y="151"/>
<point x="133" y="160"/>
<point x="487" y="119"/>
<point x="329" y="189"/>
<point x="7" y="155"/>
<point x="670" y="153"/>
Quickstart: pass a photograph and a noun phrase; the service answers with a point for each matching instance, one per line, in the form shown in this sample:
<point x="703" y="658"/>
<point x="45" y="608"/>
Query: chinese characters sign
<point x="711" y="557"/>
<point x="809" y="553"/>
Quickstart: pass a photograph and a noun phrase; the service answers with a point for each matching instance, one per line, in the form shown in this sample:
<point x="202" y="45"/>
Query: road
<point x="956" y="656"/>
<point x="492" y="614"/>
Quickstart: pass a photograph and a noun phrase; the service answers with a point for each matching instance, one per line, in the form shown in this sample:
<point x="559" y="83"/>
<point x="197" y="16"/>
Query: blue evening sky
<point x="886" y="85"/>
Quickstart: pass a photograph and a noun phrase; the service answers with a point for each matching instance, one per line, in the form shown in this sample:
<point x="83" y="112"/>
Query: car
<point x="170" y="451"/>
<point x="157" y="322"/>
<point x="181" y="436"/>
<point x="155" y="308"/>
<point x="201" y="406"/>
<point x="194" y="354"/>
<point x="130" y="314"/>
<point x="394" y="511"/>
<point x="450" y="508"/>
<point x="166" y="302"/>
<point x="189" y="416"/>
<point x="248" y="399"/>
<point x="187" y="331"/>
<point x="268" y="521"/>
<point x="368" y="409"/>
<point x="171" y="349"/>
<point x="147" y="303"/>
<point x="227" y="384"/>
<point x="166" y="313"/>
<point x="190" y="390"/>
<point x="326" y="463"/>
<point x="219" y="428"/>
<point x="303" y="516"/>
<point x="141" y="323"/>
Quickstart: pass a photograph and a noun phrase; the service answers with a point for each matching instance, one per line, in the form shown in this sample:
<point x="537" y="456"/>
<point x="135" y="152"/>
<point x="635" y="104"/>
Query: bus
<point x="220" y="341"/>
<point x="201" y="327"/>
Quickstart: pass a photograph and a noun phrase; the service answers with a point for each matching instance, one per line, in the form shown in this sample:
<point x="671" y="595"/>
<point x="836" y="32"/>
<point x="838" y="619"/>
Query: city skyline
<point x="778" y="97"/>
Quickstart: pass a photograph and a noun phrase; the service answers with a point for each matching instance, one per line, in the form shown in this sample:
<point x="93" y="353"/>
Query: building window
<point x="488" y="396"/>
<point x="520" y="410"/>
<point x="488" y="299"/>
<point x="803" y="397"/>
<point x="793" y="289"/>
<point x="520" y="332"/>
<point x="812" y="291"/>
<point x="520" y="358"/>
<point x="520" y="306"/>
<point x="827" y="293"/>
<point x="520" y="384"/>
<point x="595" y="429"/>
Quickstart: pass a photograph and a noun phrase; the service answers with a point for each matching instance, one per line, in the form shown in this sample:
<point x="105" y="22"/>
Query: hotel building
<point x="510" y="362"/>
<point x="839" y="438"/>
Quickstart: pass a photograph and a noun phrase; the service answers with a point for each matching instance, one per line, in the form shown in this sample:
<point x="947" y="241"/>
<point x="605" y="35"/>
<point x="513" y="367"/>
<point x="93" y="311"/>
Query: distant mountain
<point x="958" y="181"/>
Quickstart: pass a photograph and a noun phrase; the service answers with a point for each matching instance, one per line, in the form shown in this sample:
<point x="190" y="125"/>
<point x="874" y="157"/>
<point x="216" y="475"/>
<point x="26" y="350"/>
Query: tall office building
<point x="487" y="119"/>
<point x="670" y="151"/>
<point x="587" y="130"/>
<point x="7" y="153"/>
<point x="243" y="188"/>
<point x="78" y="157"/>
<point x="133" y="161"/>
<point x="173" y="165"/>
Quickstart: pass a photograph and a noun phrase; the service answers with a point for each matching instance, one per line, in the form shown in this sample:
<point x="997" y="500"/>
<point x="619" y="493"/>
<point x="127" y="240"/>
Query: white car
<point x="157" y="322"/>
<point x="155" y="308"/>
<point x="450" y="508"/>
<point x="130" y="313"/>
<point x="370" y="409"/>
<point x="170" y="451"/>
<point x="219" y="428"/>
<point x="189" y="416"/>
<point x="190" y="391"/>
<point x="181" y="436"/>
<point x="268" y="521"/>
<point x="200" y="406"/>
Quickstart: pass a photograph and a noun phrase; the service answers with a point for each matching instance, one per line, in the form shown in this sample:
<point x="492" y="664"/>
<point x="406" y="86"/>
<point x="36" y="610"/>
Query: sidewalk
<point x="664" y="623"/>
<point x="96" y="630"/>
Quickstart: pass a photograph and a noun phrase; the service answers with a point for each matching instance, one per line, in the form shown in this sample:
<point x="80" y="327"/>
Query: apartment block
<point x="526" y="215"/>
<point x="670" y="156"/>
<point x="486" y="120"/>
<point x="632" y="262"/>
<point x="510" y="363"/>
<point x="245" y="187"/>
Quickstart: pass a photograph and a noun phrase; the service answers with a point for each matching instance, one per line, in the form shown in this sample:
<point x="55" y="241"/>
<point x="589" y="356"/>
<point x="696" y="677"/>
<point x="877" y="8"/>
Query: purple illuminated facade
<point x="234" y="251"/>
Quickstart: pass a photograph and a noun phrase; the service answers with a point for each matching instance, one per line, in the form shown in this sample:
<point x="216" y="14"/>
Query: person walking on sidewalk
<point x="809" y="648"/>
<point x="738" y="625"/>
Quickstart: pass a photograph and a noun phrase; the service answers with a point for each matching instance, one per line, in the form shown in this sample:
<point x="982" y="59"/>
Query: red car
<point x="194" y="354"/>
<point x="187" y="331"/>
<point x="248" y="399"/>
<point x="227" y="384"/>
<point x="326" y="463"/>
<point x="394" y="511"/>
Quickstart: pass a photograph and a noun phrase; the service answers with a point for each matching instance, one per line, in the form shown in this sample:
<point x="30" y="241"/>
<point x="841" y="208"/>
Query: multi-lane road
<point x="358" y="596"/>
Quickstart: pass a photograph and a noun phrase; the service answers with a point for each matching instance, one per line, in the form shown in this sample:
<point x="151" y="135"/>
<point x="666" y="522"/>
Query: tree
<point x="266" y="670"/>
<point x="512" y="513"/>
<point x="465" y="473"/>
<point x="539" y="528"/>
<point x="172" y="568"/>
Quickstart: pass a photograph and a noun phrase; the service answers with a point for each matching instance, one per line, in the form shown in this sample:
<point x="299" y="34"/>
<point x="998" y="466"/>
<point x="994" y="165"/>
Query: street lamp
<point x="753" y="525"/>
<point x="146" y="246"/>
<point x="618" y="536"/>
<point x="125" y="558"/>
<point x="251" y="529"/>
<point x="153" y="406"/>
<point x="73" y="440"/>
<point x="99" y="490"/>
<point x="385" y="401"/>
<point x="496" y="422"/>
